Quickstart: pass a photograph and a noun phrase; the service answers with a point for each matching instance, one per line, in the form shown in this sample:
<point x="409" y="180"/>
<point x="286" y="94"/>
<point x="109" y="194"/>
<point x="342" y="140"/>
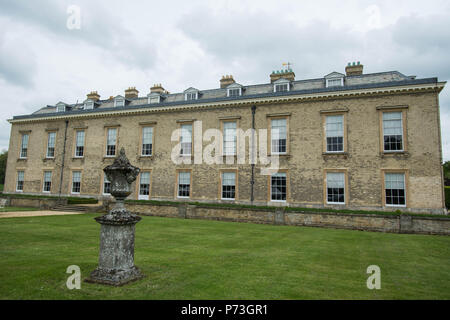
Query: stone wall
<point x="33" y="202"/>
<point x="366" y="222"/>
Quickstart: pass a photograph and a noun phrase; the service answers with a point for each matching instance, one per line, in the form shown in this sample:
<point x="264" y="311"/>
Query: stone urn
<point x="116" y="258"/>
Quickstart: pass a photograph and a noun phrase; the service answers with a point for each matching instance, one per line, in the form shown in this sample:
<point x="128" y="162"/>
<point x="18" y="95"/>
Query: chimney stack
<point x="93" y="96"/>
<point x="158" y="88"/>
<point x="131" y="92"/>
<point x="354" y="69"/>
<point x="285" y="74"/>
<point x="226" y="81"/>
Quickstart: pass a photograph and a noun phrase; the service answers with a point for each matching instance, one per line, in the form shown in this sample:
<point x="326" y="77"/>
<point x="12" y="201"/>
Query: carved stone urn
<point x="116" y="258"/>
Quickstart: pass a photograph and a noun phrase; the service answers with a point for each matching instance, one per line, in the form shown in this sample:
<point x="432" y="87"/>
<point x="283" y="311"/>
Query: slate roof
<point x="310" y="86"/>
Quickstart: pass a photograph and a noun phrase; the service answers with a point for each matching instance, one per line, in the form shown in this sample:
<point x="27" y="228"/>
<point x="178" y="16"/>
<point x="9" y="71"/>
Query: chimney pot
<point x="131" y="92"/>
<point x="226" y="81"/>
<point x="93" y="95"/>
<point x="354" y="69"/>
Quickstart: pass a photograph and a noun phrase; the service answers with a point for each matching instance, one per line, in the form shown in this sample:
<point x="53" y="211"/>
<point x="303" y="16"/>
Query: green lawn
<point x="13" y="209"/>
<point x="197" y="259"/>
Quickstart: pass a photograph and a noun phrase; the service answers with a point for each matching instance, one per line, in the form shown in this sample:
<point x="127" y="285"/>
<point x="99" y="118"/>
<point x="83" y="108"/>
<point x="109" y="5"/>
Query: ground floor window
<point x="47" y="181"/>
<point x="20" y="178"/>
<point x="278" y="187"/>
<point x="395" y="189"/>
<point x="76" y="182"/>
<point x="228" y="185"/>
<point x="335" y="187"/>
<point x="106" y="185"/>
<point x="184" y="184"/>
<point x="144" y="185"/>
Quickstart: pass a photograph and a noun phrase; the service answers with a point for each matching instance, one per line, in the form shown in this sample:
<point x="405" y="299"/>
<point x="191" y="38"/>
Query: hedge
<point x="447" y="197"/>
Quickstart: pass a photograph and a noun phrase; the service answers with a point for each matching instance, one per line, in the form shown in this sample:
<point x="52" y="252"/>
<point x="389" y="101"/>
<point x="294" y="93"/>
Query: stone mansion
<point x="347" y="141"/>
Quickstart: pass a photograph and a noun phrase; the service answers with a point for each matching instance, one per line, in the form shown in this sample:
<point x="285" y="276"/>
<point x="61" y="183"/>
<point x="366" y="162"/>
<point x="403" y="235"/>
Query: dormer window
<point x="119" y="101"/>
<point x="234" y="90"/>
<point x="154" y="98"/>
<point x="61" y="107"/>
<point x="281" y="85"/>
<point x="334" y="79"/>
<point x="191" y="94"/>
<point x="88" y="104"/>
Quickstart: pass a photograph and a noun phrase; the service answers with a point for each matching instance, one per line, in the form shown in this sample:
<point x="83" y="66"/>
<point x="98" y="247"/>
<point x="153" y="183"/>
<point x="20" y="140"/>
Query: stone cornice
<point x="340" y="94"/>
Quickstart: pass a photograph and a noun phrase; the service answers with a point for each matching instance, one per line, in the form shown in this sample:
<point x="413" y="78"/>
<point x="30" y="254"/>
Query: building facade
<point x="353" y="141"/>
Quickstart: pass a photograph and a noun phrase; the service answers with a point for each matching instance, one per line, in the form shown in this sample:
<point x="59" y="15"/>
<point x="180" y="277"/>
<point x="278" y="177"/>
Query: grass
<point x="196" y="259"/>
<point x="14" y="209"/>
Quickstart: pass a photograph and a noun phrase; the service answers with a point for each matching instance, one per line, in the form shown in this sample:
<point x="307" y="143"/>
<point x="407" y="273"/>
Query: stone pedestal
<point x="116" y="258"/>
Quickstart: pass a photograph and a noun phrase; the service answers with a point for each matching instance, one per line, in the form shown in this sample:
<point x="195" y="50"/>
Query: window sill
<point x="108" y="157"/>
<point x="396" y="154"/>
<point x="78" y="157"/>
<point x="48" y="159"/>
<point x="146" y="157"/>
<point x="22" y="159"/>
<point x="335" y="154"/>
<point x="282" y="155"/>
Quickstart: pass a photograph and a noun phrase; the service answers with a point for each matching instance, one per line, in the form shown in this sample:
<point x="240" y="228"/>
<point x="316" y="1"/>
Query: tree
<point x="3" y="159"/>
<point x="446" y="167"/>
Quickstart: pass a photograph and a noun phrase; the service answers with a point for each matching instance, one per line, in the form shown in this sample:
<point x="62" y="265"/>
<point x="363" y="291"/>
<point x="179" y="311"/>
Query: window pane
<point x="395" y="188"/>
<point x="184" y="181"/>
<point x="106" y="185"/>
<point x="335" y="187"/>
<point x="278" y="187"/>
<point x="80" y="138"/>
<point x="186" y="139"/>
<point x="229" y="138"/>
<point x="278" y="135"/>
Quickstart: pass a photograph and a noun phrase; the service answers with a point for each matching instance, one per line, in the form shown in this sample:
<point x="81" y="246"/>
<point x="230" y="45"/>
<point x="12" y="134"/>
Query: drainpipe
<point x="252" y="181"/>
<point x="63" y="158"/>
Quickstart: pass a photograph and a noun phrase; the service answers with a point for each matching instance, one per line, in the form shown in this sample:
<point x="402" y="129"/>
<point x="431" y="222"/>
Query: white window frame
<point x="221" y="187"/>
<point x="234" y="152"/>
<point x="89" y="105"/>
<point x="286" y="179"/>
<point x="281" y="82"/>
<point x="48" y="145"/>
<point x="21" y="146"/>
<point x="334" y="79"/>
<point x="17" y="180"/>
<point x="404" y="190"/>
<point x="151" y="97"/>
<point x="43" y="184"/>
<point x="229" y="90"/>
<point x="272" y="134"/>
<point x="345" y="190"/>
<point x="71" y="185"/>
<point x="105" y="180"/>
<point x="191" y="141"/>
<point x="178" y="185"/>
<point x="192" y="96"/>
<point x="151" y="142"/>
<point x="59" y="105"/>
<point x="326" y="133"/>
<point x="144" y="197"/>
<point x="115" y="150"/>
<point x="402" y="124"/>
<point x="119" y="102"/>
<point x="76" y="143"/>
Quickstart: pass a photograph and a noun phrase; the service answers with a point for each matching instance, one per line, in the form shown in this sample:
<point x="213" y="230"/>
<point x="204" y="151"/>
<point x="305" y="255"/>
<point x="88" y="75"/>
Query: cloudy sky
<point x="193" y="43"/>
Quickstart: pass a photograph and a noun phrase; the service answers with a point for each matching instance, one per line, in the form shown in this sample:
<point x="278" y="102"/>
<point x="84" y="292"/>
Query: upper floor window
<point x="186" y="140"/>
<point x="20" y="180"/>
<point x="281" y="85"/>
<point x="89" y="104"/>
<point x="393" y="131"/>
<point x="79" y="144"/>
<point x="119" y="101"/>
<point x="191" y="94"/>
<point x="47" y="181"/>
<point x="111" y="142"/>
<point x="51" y="145"/>
<point x="147" y="141"/>
<point x="229" y="138"/>
<point x="278" y="133"/>
<point x="61" y="107"/>
<point x="155" y="98"/>
<point x="335" y="133"/>
<point x="24" y="146"/>
<point x="234" y="92"/>
<point x="334" y="79"/>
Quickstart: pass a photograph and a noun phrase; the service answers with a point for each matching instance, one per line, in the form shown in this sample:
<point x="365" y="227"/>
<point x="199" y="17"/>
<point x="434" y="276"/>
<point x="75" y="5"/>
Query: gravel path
<point x="17" y="214"/>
